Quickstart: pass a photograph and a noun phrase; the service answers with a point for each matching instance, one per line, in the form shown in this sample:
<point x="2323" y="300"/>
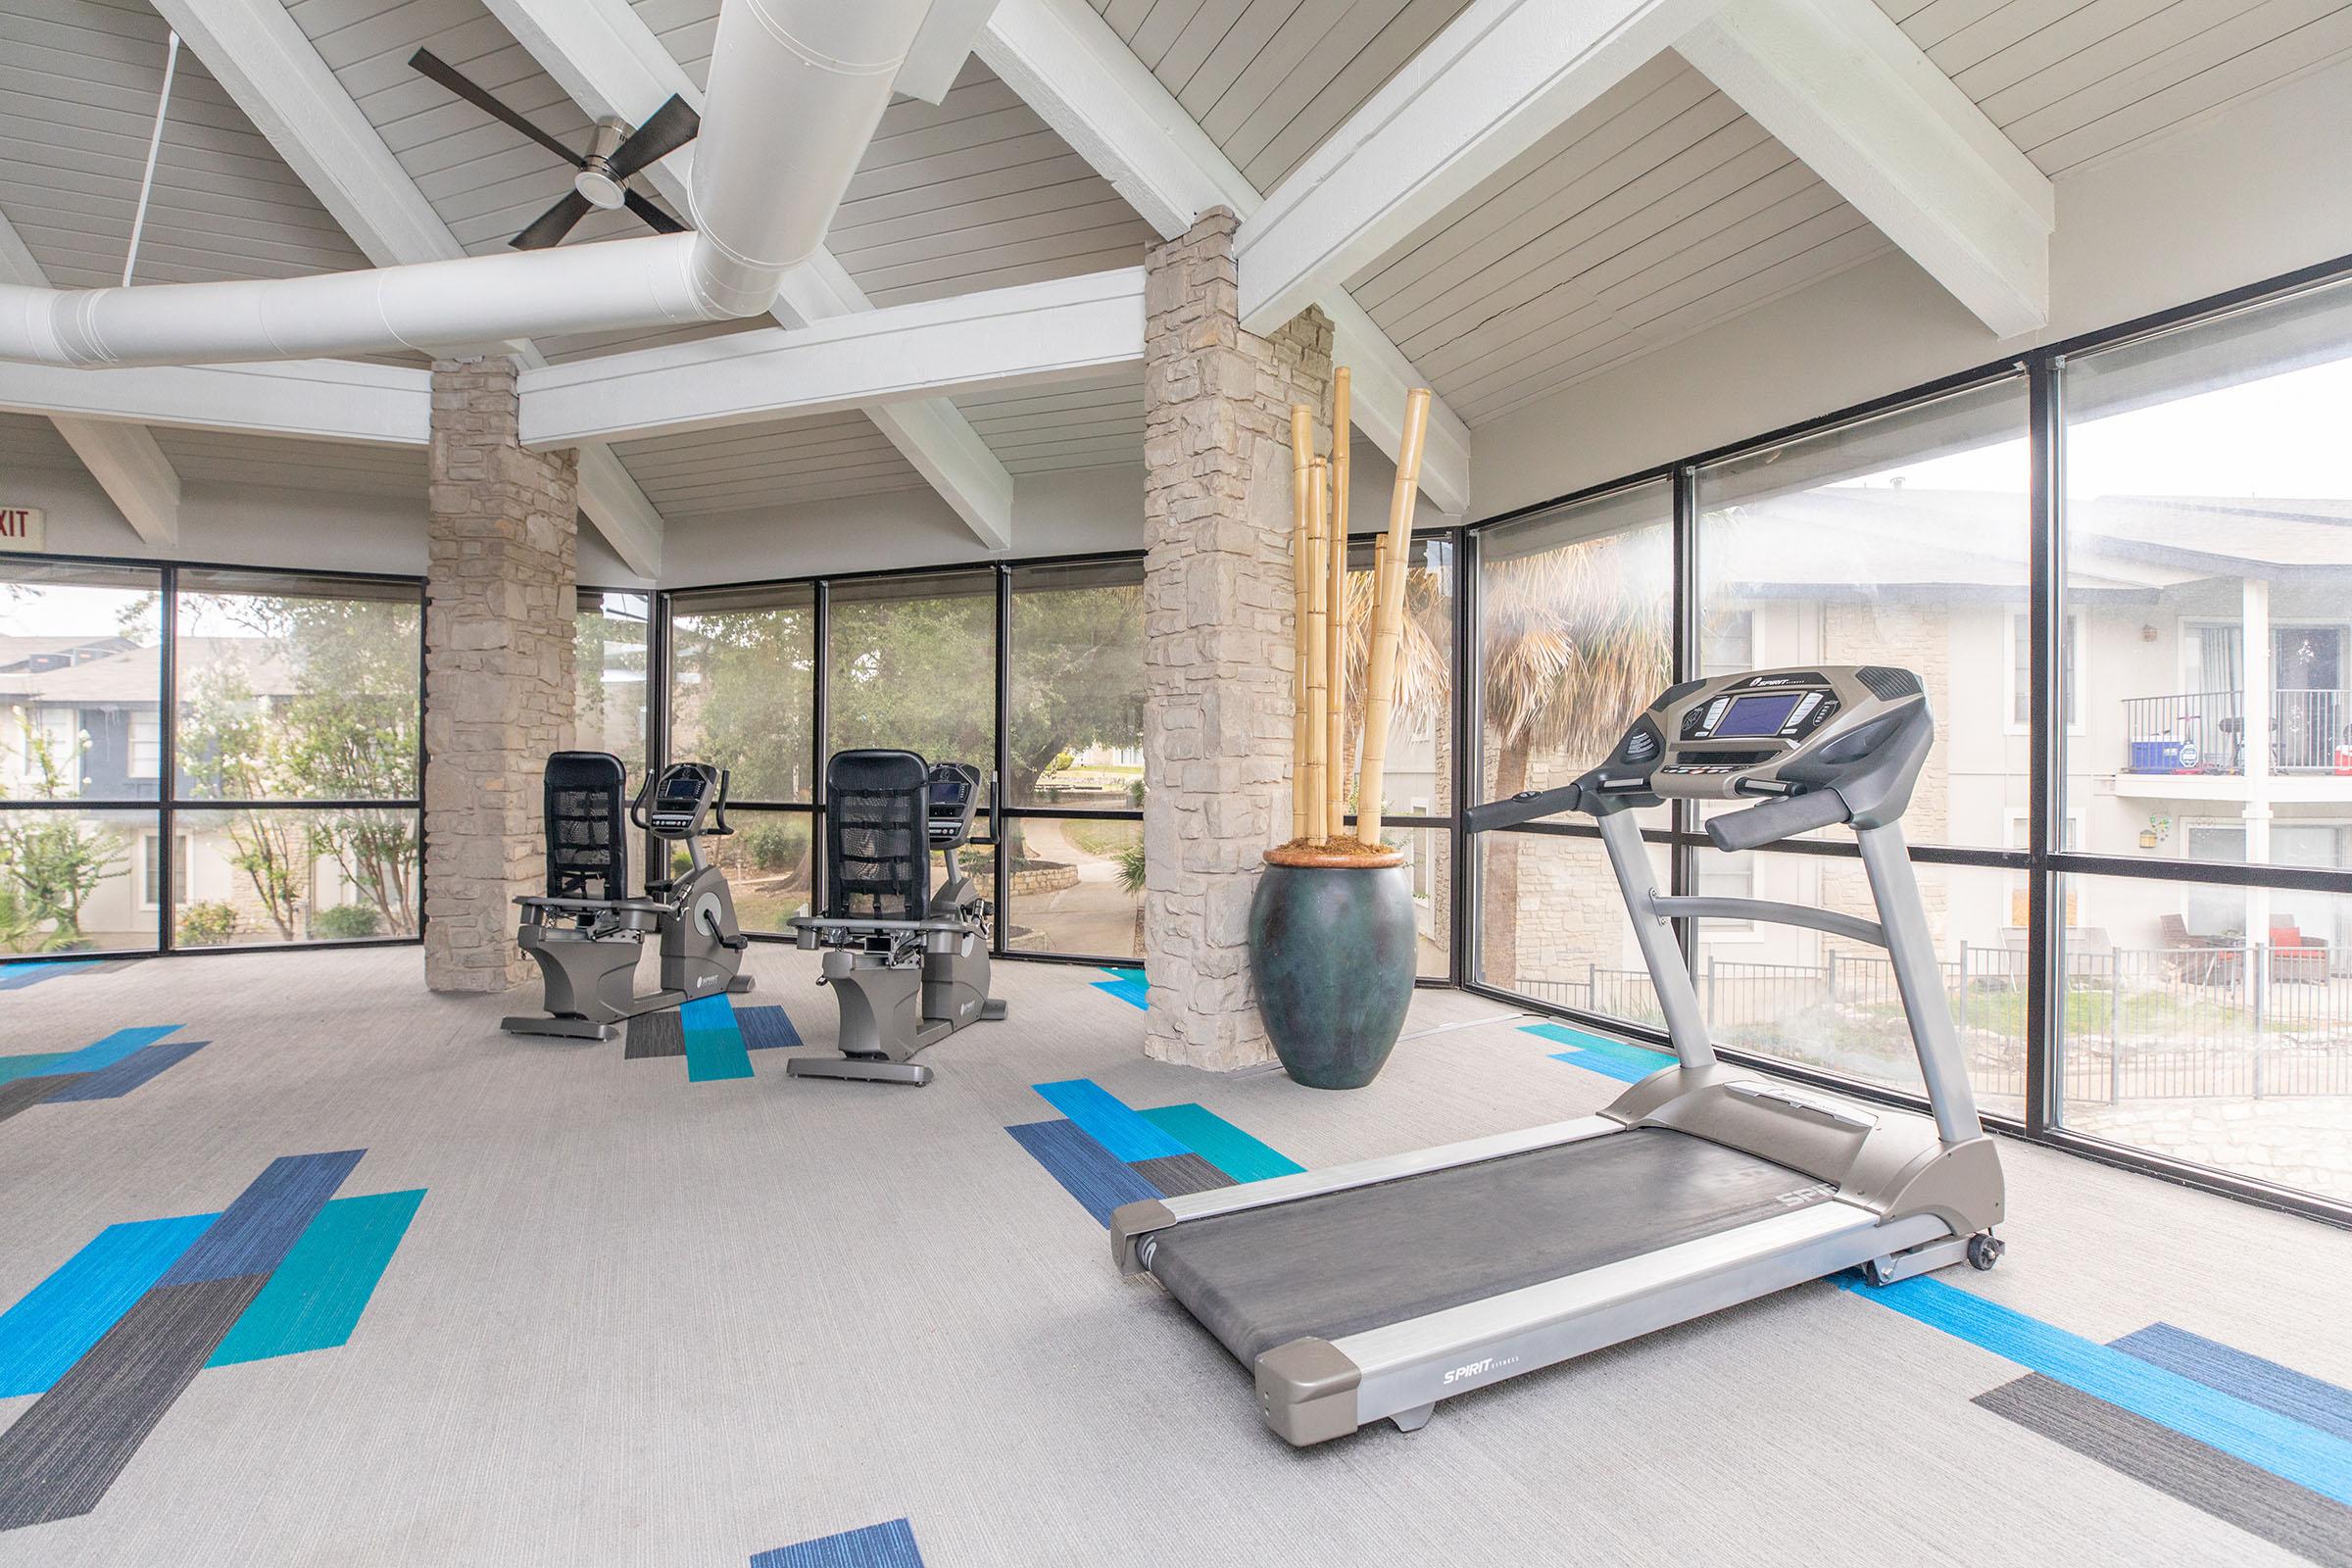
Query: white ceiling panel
<point x="747" y="467"/>
<point x="28" y="441"/>
<point x="1657" y="211"/>
<point x="2075" y="80"/>
<point x="285" y="463"/>
<point x="1092" y="424"/>
<point x="1268" y="79"/>
<point x="79" y="81"/>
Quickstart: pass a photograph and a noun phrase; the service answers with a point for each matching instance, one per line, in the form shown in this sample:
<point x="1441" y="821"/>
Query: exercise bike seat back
<point x="875" y="815"/>
<point x="587" y="827"/>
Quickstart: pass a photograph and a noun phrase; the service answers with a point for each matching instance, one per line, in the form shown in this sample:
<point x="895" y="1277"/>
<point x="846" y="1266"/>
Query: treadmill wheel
<point x="1877" y="1277"/>
<point x="1985" y="1250"/>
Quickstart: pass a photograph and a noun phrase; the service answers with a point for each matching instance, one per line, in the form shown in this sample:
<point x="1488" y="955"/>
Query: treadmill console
<point x="1821" y="744"/>
<point x="1765" y="732"/>
<point x="951" y="796"/>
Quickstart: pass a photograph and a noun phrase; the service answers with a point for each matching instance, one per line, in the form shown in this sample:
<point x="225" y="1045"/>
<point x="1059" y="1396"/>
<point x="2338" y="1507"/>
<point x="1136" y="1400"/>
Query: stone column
<point x="1217" y="587"/>
<point x="500" y="593"/>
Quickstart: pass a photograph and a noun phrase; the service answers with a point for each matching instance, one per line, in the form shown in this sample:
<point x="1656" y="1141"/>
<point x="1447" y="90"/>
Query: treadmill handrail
<point x="1772" y="909"/>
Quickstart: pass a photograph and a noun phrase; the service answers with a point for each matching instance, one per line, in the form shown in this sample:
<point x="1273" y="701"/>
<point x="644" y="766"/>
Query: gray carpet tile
<point x="643" y="1321"/>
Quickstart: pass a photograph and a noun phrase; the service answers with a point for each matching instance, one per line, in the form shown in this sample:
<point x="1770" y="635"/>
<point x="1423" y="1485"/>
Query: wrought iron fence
<point x="2201" y="1023"/>
<point x="2204" y="732"/>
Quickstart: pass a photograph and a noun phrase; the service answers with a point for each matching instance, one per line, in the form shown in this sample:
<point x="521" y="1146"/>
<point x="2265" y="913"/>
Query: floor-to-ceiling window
<point x="297" y="775"/>
<point x="2208" y="743"/>
<point x="2135" y="836"/>
<point x="1073" y="787"/>
<point x="82" y="862"/>
<point x="194" y="757"/>
<point x="1418" y="811"/>
<point x="1574" y="637"/>
<point x="611" y="641"/>
<point x="1901" y="539"/>
<point x="742" y="696"/>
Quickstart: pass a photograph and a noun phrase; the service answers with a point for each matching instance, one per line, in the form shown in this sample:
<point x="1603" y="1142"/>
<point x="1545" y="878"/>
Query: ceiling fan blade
<point x="549" y="226"/>
<point x="659" y="222"/>
<point x="665" y="130"/>
<point x="432" y="65"/>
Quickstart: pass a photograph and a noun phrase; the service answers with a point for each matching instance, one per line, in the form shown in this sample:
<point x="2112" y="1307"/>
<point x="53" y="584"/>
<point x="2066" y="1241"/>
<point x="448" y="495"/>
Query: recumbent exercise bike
<point x="909" y="964"/>
<point x="586" y="932"/>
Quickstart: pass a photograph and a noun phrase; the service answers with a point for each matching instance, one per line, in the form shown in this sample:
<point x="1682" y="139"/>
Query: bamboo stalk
<point x="1302" y="447"/>
<point x="1318" y="660"/>
<point x="1336" y="595"/>
<point x="1388" y="619"/>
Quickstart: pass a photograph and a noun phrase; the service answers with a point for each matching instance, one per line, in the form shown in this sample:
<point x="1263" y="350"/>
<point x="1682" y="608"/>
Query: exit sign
<point x="20" y="528"/>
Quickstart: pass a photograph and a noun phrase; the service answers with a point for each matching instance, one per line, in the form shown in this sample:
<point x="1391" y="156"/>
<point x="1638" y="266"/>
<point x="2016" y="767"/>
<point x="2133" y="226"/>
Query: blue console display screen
<point x="1758" y="716"/>
<point x="948" y="794"/>
<point x="681" y="789"/>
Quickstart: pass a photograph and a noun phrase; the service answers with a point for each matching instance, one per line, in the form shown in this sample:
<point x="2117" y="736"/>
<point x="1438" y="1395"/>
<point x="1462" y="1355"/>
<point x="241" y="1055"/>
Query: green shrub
<point x="1131" y="867"/>
<point x="346" y="922"/>
<point x="206" y="925"/>
<point x="774" y="846"/>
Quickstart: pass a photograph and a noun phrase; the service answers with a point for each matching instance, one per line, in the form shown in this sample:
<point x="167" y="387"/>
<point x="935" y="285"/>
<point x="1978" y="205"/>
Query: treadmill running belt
<point x="1369" y="1256"/>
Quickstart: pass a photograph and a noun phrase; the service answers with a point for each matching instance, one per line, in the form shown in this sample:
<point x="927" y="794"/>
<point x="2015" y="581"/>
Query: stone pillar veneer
<point x="500" y="592"/>
<point x="1217" y="590"/>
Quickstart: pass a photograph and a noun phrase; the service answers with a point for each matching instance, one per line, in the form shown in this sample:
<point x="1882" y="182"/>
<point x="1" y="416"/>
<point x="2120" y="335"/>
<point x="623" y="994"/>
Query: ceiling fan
<point x="615" y="153"/>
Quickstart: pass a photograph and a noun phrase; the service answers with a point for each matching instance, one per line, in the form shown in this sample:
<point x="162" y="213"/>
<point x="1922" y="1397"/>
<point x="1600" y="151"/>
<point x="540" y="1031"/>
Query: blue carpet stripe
<point x="884" y="1546"/>
<point x="1129" y="986"/>
<point x="1222" y="1144"/>
<point x="113" y="1083"/>
<point x="315" y="1299"/>
<point x="714" y="1047"/>
<point x="254" y="1232"/>
<point x="1605" y="1066"/>
<point x="2298" y="1395"/>
<point x="1108" y="1121"/>
<point x="2317" y="1461"/>
<point x="1086" y="1171"/>
<point x="43" y="1065"/>
<point x="17" y="976"/>
<point x="1623" y="1050"/>
<point x="58" y="1320"/>
<point x="766" y="1028"/>
<point x="113" y="1047"/>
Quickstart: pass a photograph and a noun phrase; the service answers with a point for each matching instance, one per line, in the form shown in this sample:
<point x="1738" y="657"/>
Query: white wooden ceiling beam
<point x="319" y="400"/>
<point x="610" y="64"/>
<point x="942" y="44"/>
<point x="1004" y="337"/>
<point x="1501" y="76"/>
<point x="1082" y="78"/>
<point x="1845" y="90"/>
<point x="272" y="71"/>
<point x="123" y="458"/>
<point x="132" y="471"/>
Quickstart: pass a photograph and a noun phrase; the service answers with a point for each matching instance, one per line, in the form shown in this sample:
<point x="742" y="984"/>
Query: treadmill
<point x="1376" y="1289"/>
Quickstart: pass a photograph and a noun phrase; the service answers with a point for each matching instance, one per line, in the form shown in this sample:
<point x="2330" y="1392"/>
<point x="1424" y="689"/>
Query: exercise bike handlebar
<point x="1775" y="820"/>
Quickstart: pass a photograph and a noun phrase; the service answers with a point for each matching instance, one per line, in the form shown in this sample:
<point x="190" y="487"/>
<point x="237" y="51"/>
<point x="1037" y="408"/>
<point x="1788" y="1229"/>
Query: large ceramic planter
<point x="1331" y="952"/>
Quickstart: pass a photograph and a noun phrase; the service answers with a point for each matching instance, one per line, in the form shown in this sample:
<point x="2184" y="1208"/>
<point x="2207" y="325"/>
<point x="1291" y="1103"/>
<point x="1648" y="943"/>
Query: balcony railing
<point x="2205" y="732"/>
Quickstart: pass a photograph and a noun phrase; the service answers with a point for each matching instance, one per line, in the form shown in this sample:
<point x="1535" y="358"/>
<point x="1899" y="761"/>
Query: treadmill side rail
<point x="1404" y="1367"/>
<point x="1130" y="1223"/>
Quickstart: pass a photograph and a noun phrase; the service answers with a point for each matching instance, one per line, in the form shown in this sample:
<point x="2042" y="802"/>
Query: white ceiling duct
<point x="797" y="88"/>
